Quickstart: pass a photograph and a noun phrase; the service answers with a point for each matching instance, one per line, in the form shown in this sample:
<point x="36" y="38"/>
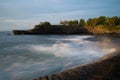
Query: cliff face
<point x="54" y="29"/>
<point x="106" y="68"/>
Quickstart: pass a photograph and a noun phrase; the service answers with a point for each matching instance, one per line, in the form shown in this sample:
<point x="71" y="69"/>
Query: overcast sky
<point x="24" y="14"/>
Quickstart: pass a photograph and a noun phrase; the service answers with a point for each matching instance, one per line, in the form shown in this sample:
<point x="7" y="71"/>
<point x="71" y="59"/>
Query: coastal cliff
<point x="106" y="68"/>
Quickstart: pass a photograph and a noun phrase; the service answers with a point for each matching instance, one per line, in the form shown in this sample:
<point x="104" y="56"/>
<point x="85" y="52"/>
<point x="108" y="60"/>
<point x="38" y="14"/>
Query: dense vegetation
<point x="93" y="22"/>
<point x="104" y="24"/>
<point x="100" y="25"/>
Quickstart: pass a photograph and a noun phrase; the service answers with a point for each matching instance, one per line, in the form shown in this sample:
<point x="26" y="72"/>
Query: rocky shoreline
<point x="53" y="29"/>
<point x="106" y="68"/>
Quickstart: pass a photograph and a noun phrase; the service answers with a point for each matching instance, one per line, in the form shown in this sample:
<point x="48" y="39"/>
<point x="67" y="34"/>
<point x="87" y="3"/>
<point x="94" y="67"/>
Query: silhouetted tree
<point x="62" y="23"/>
<point x="69" y="23"/>
<point x="82" y="22"/>
<point x="75" y="22"/>
<point x="45" y="23"/>
<point x="89" y="21"/>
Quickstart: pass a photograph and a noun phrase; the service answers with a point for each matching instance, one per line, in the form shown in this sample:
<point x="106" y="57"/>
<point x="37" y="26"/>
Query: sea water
<point x="24" y="57"/>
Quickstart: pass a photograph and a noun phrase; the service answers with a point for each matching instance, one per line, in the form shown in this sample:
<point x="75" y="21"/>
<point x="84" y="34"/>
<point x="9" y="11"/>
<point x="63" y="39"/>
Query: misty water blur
<point x="25" y="57"/>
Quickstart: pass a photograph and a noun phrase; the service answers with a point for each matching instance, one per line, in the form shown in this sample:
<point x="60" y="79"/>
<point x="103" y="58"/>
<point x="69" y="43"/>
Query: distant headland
<point x="100" y="25"/>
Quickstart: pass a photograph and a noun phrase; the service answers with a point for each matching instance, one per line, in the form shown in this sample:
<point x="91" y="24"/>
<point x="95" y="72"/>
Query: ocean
<point x="24" y="57"/>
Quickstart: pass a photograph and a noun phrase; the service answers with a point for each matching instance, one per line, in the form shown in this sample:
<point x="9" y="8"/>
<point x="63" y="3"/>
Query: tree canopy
<point x="103" y="20"/>
<point x="69" y="23"/>
<point x="45" y="23"/>
<point x="82" y="22"/>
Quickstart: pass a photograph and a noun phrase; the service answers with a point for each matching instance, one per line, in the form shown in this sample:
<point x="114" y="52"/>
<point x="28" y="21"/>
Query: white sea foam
<point x="75" y="46"/>
<point x="42" y="59"/>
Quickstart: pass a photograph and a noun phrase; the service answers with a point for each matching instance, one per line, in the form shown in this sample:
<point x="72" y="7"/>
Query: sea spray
<point x="26" y="57"/>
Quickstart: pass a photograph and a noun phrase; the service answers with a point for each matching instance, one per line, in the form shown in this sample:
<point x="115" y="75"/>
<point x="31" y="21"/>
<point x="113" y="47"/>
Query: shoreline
<point x="20" y="32"/>
<point x="105" y="68"/>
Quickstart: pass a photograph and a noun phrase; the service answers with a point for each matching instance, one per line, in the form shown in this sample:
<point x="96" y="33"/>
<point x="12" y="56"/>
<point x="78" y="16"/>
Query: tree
<point x="75" y="22"/>
<point x="45" y="23"/>
<point x="89" y="22"/>
<point x="119" y="21"/>
<point x="82" y="22"/>
<point x="70" y="22"/>
<point x="62" y="23"/>
<point x="100" y="21"/>
<point x="107" y="21"/>
<point x="113" y="21"/>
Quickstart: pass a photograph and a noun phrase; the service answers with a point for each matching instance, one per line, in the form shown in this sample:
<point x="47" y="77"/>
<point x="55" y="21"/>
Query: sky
<point x="24" y="14"/>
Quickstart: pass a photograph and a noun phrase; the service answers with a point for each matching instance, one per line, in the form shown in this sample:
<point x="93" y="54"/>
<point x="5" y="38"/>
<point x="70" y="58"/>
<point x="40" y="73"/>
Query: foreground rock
<point x="106" y="68"/>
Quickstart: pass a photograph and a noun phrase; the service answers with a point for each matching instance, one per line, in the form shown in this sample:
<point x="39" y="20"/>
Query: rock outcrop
<point x="53" y="29"/>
